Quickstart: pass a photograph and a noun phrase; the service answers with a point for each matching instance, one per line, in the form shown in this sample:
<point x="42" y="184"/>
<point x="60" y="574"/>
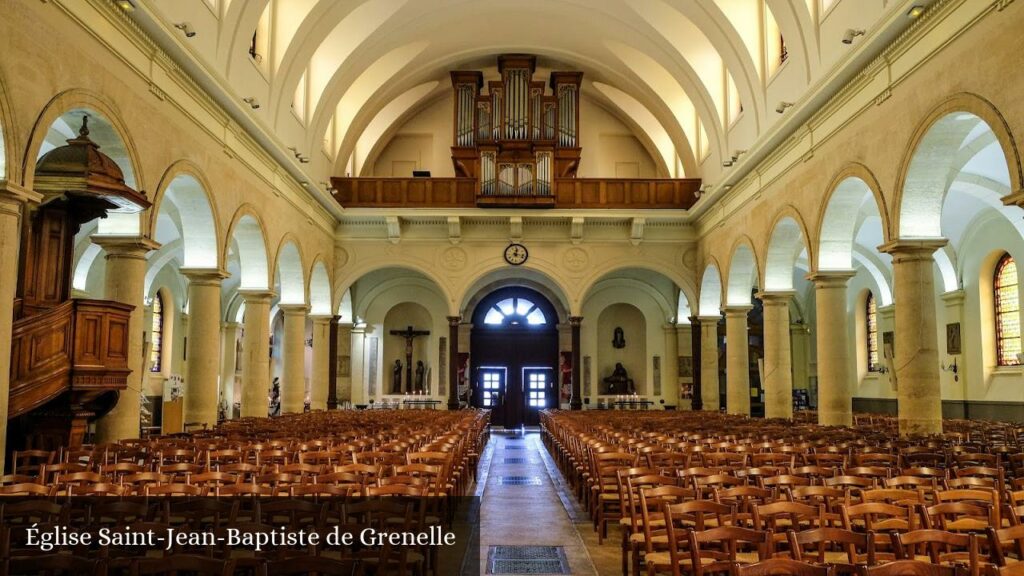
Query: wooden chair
<point x="718" y="549"/>
<point x="781" y="567"/>
<point x="845" y="550"/>
<point x="54" y="565"/>
<point x="938" y="547"/>
<point x="318" y="565"/>
<point x="172" y="565"/>
<point x="911" y="568"/>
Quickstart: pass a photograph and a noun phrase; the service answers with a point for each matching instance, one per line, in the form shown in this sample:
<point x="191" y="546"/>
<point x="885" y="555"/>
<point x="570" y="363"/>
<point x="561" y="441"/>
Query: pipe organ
<point x="516" y="138"/>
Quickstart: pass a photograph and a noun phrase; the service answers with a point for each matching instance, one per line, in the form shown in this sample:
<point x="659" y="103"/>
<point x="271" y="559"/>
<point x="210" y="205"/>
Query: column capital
<point x="123" y="246"/>
<point x="204" y="276"/>
<point x="912" y="249"/>
<point x="575" y="321"/>
<point x="256" y="296"/>
<point x="323" y="318"/>
<point x="12" y="192"/>
<point x="230" y="325"/>
<point x="953" y="297"/>
<point x="778" y="297"/>
<point x="289" y="309"/>
<point x="454" y="320"/>
<point x="831" y="278"/>
<point x="737" y="309"/>
<point x="1015" y="199"/>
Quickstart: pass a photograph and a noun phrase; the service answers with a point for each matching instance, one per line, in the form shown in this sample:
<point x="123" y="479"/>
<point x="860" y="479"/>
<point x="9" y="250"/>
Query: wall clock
<point x="516" y="254"/>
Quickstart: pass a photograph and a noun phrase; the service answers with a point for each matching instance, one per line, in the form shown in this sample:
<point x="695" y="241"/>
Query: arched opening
<point x="514" y="341"/>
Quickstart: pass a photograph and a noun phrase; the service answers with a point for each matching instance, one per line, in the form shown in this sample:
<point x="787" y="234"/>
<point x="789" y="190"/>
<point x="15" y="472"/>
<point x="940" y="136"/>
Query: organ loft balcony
<point x="516" y="144"/>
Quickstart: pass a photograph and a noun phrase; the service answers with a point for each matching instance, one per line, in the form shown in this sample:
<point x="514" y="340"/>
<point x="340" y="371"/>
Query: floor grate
<point x="517" y="461"/>
<point x="526" y="560"/>
<point x="513" y="447"/>
<point x="519" y="480"/>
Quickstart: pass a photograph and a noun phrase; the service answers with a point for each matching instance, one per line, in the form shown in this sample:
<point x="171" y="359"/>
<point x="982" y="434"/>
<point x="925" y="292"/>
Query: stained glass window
<point x="157" y="335"/>
<point x="1008" y="345"/>
<point x="871" y="325"/>
<point x="515" y="312"/>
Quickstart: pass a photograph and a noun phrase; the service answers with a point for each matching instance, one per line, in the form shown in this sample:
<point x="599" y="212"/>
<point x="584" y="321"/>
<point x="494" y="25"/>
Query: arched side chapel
<point x="721" y="229"/>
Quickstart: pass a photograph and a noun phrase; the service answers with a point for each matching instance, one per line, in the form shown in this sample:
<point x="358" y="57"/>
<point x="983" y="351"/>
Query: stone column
<point x="576" y="401"/>
<point x="321" y="371"/>
<point x="737" y="360"/>
<point x="359" y="391"/>
<point x="835" y="362"/>
<point x="453" y="362"/>
<point x="256" y="353"/>
<point x="343" y="386"/>
<point x="293" y="374"/>
<point x="778" y="362"/>
<point x="919" y="391"/>
<point x="228" y="365"/>
<point x="13" y="200"/>
<point x="709" y="394"/>
<point x="670" y="365"/>
<point x="203" y="347"/>
<point x="125" y="282"/>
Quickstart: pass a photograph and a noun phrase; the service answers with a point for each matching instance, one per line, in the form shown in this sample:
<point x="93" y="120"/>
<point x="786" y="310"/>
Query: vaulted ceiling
<point x="699" y="80"/>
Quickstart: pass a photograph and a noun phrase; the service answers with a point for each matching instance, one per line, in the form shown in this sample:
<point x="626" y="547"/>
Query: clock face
<point x="516" y="254"/>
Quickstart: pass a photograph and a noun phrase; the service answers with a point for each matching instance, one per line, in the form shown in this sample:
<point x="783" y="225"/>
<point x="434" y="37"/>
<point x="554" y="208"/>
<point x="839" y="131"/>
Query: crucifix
<point x="409" y="334"/>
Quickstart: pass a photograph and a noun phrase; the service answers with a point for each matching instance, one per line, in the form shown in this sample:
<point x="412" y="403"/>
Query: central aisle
<point x="533" y="512"/>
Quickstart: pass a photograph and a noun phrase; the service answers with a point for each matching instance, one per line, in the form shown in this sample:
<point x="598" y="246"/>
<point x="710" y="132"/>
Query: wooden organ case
<point x="516" y="138"/>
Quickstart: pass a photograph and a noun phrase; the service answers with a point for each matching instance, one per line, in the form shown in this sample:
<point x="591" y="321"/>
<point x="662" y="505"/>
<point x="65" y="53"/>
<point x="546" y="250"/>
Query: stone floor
<point x="543" y="512"/>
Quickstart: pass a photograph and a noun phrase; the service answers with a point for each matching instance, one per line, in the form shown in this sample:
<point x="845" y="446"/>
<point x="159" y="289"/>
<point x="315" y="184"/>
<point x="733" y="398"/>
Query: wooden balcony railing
<point x="592" y="193"/>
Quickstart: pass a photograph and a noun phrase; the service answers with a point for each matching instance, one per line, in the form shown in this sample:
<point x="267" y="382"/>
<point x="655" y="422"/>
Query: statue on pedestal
<point x="396" y="378"/>
<point x="420" y="371"/>
<point x="619" y="382"/>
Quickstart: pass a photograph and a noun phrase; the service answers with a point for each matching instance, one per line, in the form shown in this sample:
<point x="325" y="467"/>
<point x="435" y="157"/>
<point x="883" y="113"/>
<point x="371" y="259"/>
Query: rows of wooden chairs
<point x="322" y="471"/>
<point x="670" y="481"/>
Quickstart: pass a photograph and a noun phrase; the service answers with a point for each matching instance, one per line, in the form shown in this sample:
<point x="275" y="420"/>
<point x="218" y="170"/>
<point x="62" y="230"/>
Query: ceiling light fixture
<point x="125" y="5"/>
<point x="850" y="34"/>
<point x="782" y="106"/>
<point x="252" y="102"/>
<point x="728" y="163"/>
<point x="186" y="28"/>
<point x="915" y="11"/>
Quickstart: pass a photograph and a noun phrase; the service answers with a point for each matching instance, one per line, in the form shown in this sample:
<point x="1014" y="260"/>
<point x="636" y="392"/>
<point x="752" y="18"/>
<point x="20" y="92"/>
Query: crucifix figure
<point x="409" y="334"/>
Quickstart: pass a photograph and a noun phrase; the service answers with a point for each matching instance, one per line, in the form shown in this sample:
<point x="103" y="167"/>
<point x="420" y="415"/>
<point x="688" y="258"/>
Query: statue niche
<point x="618" y="383"/>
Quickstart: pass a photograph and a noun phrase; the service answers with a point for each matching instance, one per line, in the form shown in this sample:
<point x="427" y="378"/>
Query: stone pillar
<point x="453" y="362"/>
<point x="228" y="366"/>
<point x="359" y="391"/>
<point x="13" y="199"/>
<point x="343" y="385"/>
<point x="670" y="366"/>
<point x="256" y="353"/>
<point x="203" y="347"/>
<point x="778" y="362"/>
<point x="576" y="402"/>
<point x="835" y="362"/>
<point x="737" y="360"/>
<point x="919" y="390"/>
<point x="709" y="393"/>
<point x="293" y="353"/>
<point x="126" y="283"/>
<point x="319" y="385"/>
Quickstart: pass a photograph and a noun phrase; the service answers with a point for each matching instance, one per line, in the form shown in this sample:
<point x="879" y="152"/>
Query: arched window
<point x="1007" y="294"/>
<point x="515" y="312"/>
<point x="871" y="332"/>
<point x="156" y="338"/>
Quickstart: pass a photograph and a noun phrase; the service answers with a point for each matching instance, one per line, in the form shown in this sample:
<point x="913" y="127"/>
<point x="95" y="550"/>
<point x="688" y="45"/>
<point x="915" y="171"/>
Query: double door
<point x="515" y="396"/>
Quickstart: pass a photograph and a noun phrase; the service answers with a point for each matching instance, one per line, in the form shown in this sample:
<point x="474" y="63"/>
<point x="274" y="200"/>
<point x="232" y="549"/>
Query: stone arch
<point x="850" y="189"/>
<point x="8" y="161"/>
<point x="249" y="235"/>
<point x="353" y="275"/>
<point x="289" y="271"/>
<point x="788" y="239"/>
<point x="319" y="289"/>
<point x="529" y="275"/>
<point x="184" y="186"/>
<point x="674" y="274"/>
<point x="106" y="128"/>
<point x="743" y="273"/>
<point x="922" y="183"/>
<point x="710" y="303"/>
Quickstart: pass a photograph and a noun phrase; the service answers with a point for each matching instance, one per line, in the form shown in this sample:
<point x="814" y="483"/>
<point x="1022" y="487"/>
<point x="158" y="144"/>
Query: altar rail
<point x="607" y="193"/>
